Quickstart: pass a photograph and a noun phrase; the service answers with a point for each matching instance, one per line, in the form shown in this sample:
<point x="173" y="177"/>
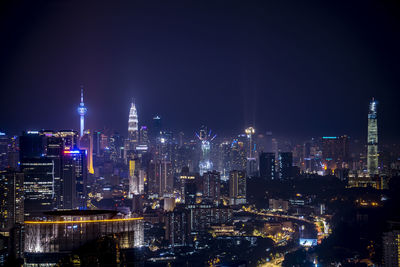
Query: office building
<point x="157" y="127"/>
<point x="391" y="248"/>
<point x="160" y="178"/>
<point x="188" y="186"/>
<point x="285" y="170"/>
<point x="204" y="215"/>
<point x="212" y="186"/>
<point x="335" y="151"/>
<point x="74" y="177"/>
<point x="143" y="135"/>
<point x="86" y="143"/>
<point x="267" y="165"/>
<point x="11" y="199"/>
<point x="237" y="187"/>
<point x="31" y="145"/>
<point x="177" y="227"/>
<point x="4" y="143"/>
<point x="38" y="185"/>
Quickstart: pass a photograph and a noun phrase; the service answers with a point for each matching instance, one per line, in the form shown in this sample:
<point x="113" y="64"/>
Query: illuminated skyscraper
<point x="249" y="133"/>
<point x="212" y="186"/>
<point x="74" y="178"/>
<point x="38" y="185"/>
<point x="133" y="123"/>
<point x="372" y="153"/>
<point x="237" y="187"/>
<point x="11" y="199"/>
<point x="86" y="143"/>
<point x="160" y="178"/>
<point x="144" y="136"/>
<point x="82" y="112"/>
<point x="251" y="164"/>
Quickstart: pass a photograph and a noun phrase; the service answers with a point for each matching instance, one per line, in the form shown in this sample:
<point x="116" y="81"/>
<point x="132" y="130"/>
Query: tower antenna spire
<point x="82" y="112"/>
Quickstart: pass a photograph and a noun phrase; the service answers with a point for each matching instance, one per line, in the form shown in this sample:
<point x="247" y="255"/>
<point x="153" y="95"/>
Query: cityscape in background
<point x="199" y="133"/>
<point x="151" y="196"/>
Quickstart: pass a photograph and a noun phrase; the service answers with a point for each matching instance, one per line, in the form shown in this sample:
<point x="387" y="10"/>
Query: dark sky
<point x="296" y="68"/>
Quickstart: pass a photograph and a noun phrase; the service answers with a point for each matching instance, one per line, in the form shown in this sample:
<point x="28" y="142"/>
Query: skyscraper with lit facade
<point x="74" y="177"/>
<point x="212" y="186"/>
<point x="38" y="185"/>
<point x="133" y="124"/>
<point x="11" y="199"/>
<point x="160" y="178"/>
<point x="372" y="142"/>
<point x="237" y="187"/>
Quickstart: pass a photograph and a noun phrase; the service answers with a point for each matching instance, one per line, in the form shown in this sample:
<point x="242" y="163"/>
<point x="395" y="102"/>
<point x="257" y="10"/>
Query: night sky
<point x="296" y="68"/>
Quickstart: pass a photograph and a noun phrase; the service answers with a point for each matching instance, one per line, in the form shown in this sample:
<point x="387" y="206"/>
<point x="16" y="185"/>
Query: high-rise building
<point x="82" y="112"/>
<point x="251" y="149"/>
<point x="391" y="245"/>
<point x="133" y="135"/>
<point x="11" y="199"/>
<point x="31" y="145"/>
<point x="86" y="143"/>
<point x="285" y="165"/>
<point x="177" y="229"/>
<point x="391" y="248"/>
<point x="335" y="151"/>
<point x="143" y="135"/>
<point x="238" y="155"/>
<point x="212" y="186"/>
<point x="203" y="215"/>
<point x="4" y="142"/>
<point x="237" y="187"/>
<point x="70" y="138"/>
<point x="372" y="142"/>
<point x="38" y="185"/>
<point x="160" y="178"/>
<point x="251" y="164"/>
<point x="74" y="177"/>
<point x="136" y="178"/>
<point x="224" y="159"/>
<point x="267" y="165"/>
<point x="54" y="151"/>
<point x="157" y="127"/>
<point x="188" y="186"/>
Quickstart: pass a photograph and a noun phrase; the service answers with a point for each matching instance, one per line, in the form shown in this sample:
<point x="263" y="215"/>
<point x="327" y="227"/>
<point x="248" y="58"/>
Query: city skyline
<point x="199" y="133"/>
<point x="239" y="88"/>
<point x="133" y="127"/>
